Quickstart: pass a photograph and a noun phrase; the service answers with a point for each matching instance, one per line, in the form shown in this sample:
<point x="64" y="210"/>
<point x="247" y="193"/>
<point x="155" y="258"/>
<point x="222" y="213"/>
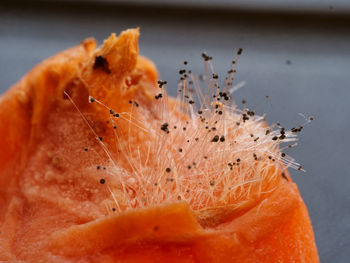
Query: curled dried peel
<point x="75" y="162"/>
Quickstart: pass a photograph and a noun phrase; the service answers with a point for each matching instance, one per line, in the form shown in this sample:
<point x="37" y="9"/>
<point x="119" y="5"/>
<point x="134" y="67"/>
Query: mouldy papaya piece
<point x="98" y="164"/>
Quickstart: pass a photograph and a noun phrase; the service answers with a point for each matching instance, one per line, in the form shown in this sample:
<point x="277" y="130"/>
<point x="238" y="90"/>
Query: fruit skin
<point x="50" y="207"/>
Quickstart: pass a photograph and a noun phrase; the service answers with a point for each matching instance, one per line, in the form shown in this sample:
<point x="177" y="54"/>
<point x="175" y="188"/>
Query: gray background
<point x="316" y="41"/>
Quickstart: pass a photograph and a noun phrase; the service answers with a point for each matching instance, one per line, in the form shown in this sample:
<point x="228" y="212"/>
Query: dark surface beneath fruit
<point x="301" y="61"/>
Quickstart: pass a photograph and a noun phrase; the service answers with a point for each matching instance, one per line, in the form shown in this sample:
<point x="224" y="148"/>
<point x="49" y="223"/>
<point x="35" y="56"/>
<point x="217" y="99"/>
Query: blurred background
<point x="295" y="51"/>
